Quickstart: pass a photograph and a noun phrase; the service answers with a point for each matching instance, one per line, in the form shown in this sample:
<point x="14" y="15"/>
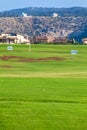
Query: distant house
<point x="13" y="38"/>
<point x="84" y="40"/>
<point x="22" y="39"/>
<point x="40" y="39"/>
<point x="3" y="39"/>
<point x="60" y="40"/>
<point x="50" y="38"/>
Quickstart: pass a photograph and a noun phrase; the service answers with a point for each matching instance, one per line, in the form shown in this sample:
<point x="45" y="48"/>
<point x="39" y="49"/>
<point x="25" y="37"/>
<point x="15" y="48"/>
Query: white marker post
<point x="73" y="52"/>
<point x="29" y="47"/>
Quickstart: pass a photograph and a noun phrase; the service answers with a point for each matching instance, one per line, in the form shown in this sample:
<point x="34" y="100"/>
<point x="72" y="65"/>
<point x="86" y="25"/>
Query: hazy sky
<point x="12" y="4"/>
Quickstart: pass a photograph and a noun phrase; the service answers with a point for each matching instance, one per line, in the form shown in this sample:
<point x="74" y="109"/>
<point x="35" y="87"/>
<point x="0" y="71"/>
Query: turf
<point x="43" y="95"/>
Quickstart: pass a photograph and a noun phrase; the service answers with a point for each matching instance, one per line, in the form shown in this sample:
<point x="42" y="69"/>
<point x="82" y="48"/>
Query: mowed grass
<point x="43" y="95"/>
<point x="71" y="65"/>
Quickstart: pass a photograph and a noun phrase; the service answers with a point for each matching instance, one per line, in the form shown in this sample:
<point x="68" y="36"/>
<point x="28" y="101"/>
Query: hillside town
<point x="56" y="29"/>
<point x="13" y="38"/>
<point x="20" y="39"/>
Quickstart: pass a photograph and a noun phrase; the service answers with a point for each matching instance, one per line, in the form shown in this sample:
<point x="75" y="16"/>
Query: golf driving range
<point x="43" y="88"/>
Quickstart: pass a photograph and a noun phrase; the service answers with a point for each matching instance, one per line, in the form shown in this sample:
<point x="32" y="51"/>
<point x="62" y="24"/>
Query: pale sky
<point x="14" y="4"/>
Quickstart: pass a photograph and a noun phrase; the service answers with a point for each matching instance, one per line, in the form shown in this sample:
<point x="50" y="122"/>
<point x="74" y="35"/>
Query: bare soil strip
<point x="24" y="59"/>
<point x="6" y="66"/>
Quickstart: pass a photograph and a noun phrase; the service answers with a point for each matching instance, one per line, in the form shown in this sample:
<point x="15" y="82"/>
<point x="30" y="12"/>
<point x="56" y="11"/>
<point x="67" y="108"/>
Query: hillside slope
<point x="70" y="22"/>
<point x="59" y="26"/>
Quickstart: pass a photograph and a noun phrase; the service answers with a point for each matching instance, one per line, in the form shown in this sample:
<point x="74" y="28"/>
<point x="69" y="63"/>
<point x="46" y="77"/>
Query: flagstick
<point x="29" y="47"/>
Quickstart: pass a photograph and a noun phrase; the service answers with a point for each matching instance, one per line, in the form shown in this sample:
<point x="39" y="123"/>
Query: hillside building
<point x="13" y="38"/>
<point x="40" y="39"/>
<point x="84" y="40"/>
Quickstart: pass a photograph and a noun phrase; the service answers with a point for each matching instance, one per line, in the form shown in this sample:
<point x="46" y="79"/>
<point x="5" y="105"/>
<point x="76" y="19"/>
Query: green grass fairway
<point x="45" y="89"/>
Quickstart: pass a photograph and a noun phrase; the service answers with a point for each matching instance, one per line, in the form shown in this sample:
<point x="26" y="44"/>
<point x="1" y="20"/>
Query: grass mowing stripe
<point x="48" y="74"/>
<point x="43" y="116"/>
<point x="41" y="101"/>
<point x="43" y="89"/>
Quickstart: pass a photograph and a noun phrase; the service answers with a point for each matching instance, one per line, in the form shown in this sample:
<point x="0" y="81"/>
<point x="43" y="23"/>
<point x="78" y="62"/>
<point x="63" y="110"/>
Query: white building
<point x="13" y="38"/>
<point x="21" y="39"/>
<point x="84" y="40"/>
